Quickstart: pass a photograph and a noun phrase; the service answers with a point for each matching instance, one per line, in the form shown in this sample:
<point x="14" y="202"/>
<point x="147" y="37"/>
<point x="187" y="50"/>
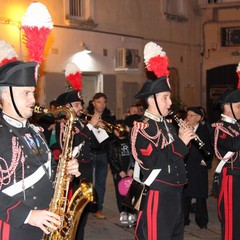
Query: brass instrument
<point x="108" y="126"/>
<point x="70" y="211"/>
<point x="200" y="143"/>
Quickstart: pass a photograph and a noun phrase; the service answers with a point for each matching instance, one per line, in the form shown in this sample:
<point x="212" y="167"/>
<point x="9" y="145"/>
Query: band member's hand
<point x="44" y="219"/>
<point x="95" y="119"/>
<point x="100" y="124"/>
<point x="73" y="167"/>
<point x="186" y="134"/>
<point x="130" y="173"/>
<point x="122" y="174"/>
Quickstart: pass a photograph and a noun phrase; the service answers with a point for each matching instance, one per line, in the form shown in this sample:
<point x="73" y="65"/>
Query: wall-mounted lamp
<point x="83" y="48"/>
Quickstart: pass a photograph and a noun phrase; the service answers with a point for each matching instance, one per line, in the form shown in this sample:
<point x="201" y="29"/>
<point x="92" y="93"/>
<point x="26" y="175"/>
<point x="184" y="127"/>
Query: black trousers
<point x="162" y="216"/>
<point x="201" y="212"/>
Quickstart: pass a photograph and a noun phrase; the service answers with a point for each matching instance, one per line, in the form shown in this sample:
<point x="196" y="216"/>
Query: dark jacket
<point x="152" y="149"/>
<point x="197" y="173"/>
<point x="119" y="155"/>
<point x="20" y="160"/>
<point x="97" y="147"/>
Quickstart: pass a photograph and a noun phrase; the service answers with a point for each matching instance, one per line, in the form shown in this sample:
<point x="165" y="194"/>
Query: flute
<point x="200" y="143"/>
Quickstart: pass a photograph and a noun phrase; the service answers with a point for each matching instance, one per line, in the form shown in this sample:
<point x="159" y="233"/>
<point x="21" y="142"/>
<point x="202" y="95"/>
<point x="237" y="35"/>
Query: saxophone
<point x="70" y="211"/>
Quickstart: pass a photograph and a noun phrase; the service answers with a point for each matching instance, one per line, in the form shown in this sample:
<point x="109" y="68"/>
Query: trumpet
<point x="200" y="143"/>
<point x="107" y="126"/>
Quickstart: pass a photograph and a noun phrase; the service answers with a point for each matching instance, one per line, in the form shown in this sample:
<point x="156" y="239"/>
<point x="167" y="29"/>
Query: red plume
<point x="156" y="60"/>
<point x="238" y="73"/>
<point x="36" y="24"/>
<point x="8" y="53"/>
<point x="74" y="76"/>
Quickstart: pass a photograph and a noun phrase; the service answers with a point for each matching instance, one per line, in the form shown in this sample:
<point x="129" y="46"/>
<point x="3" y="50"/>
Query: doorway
<point x="219" y="79"/>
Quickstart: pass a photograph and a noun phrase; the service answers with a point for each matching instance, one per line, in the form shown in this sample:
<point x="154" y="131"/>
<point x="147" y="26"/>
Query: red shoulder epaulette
<point x="140" y="125"/>
<point x="217" y="124"/>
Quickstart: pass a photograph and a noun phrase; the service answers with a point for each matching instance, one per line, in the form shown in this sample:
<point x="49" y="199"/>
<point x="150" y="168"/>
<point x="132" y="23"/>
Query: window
<point x="175" y="10"/>
<point x="80" y="12"/>
<point x="76" y="9"/>
<point x="79" y="9"/>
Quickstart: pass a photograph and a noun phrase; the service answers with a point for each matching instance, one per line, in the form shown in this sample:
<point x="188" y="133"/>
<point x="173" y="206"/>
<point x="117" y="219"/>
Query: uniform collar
<point x="228" y="119"/>
<point x="13" y="122"/>
<point x="153" y="117"/>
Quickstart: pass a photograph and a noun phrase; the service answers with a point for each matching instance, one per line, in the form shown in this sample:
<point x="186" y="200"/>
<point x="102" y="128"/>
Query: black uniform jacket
<point x="197" y="172"/>
<point x="17" y="163"/>
<point x="227" y="138"/>
<point x="154" y="150"/>
<point x="82" y="138"/>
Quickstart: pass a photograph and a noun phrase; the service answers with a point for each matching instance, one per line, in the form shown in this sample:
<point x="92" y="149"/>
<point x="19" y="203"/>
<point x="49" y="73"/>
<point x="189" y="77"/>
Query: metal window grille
<point x="76" y="9"/>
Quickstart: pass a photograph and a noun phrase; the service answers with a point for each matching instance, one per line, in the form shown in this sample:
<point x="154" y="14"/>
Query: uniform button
<point x="28" y="166"/>
<point x="32" y="187"/>
<point x="35" y="208"/>
<point x="177" y="181"/>
<point x="34" y="197"/>
<point x="177" y="174"/>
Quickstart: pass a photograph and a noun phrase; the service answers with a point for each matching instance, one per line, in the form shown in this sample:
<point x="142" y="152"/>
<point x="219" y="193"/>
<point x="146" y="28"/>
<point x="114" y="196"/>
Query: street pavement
<point x="110" y="228"/>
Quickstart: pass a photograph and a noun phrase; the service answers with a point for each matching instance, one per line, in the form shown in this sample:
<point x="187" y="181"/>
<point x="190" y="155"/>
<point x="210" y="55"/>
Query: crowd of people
<point x="30" y="154"/>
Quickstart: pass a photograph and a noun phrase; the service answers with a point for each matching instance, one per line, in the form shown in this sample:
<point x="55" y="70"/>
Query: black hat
<point x="69" y="97"/>
<point x="18" y="74"/>
<point x="151" y="87"/>
<point x="230" y="96"/>
<point x="130" y="119"/>
<point x="196" y="110"/>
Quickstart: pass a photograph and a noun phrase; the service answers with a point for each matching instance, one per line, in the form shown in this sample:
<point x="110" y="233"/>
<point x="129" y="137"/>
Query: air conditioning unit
<point x="127" y="58"/>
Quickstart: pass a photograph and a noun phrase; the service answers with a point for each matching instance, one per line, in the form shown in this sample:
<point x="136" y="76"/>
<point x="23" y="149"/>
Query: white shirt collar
<point x="152" y="116"/>
<point x="14" y="122"/>
<point x="228" y="119"/>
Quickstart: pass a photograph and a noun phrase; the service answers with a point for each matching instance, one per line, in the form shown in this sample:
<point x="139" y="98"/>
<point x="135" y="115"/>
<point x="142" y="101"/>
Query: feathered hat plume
<point x="238" y="73"/>
<point x="36" y="24"/>
<point x="73" y="76"/>
<point x="8" y="53"/>
<point x="156" y="59"/>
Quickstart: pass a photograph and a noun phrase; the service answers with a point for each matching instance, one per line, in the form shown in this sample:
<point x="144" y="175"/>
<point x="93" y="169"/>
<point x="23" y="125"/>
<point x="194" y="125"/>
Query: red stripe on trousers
<point x="230" y="209"/>
<point x="149" y="217"/>
<point x="154" y="214"/>
<point x="138" y="219"/>
<point x="4" y="230"/>
<point x="152" y="208"/>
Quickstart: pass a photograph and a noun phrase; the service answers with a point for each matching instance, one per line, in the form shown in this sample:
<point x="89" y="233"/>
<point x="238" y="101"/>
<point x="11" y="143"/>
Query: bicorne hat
<point x="232" y="95"/>
<point x="69" y="97"/>
<point x="19" y="74"/>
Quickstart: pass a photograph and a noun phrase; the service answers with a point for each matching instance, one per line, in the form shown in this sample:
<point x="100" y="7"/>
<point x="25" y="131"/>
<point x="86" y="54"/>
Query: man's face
<point x="236" y="110"/>
<point x="192" y="118"/>
<point x="24" y="100"/>
<point x="99" y="104"/>
<point x="77" y="106"/>
<point x="164" y="103"/>
<point x="133" y="110"/>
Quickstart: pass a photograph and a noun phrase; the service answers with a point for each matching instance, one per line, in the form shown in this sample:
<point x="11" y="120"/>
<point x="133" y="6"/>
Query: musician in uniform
<point x="156" y="145"/>
<point x="227" y="146"/>
<point x="81" y="145"/>
<point x="26" y="162"/>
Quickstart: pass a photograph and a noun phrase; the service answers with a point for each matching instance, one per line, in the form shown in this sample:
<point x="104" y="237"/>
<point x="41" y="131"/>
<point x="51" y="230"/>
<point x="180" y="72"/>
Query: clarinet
<point x="200" y="143"/>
